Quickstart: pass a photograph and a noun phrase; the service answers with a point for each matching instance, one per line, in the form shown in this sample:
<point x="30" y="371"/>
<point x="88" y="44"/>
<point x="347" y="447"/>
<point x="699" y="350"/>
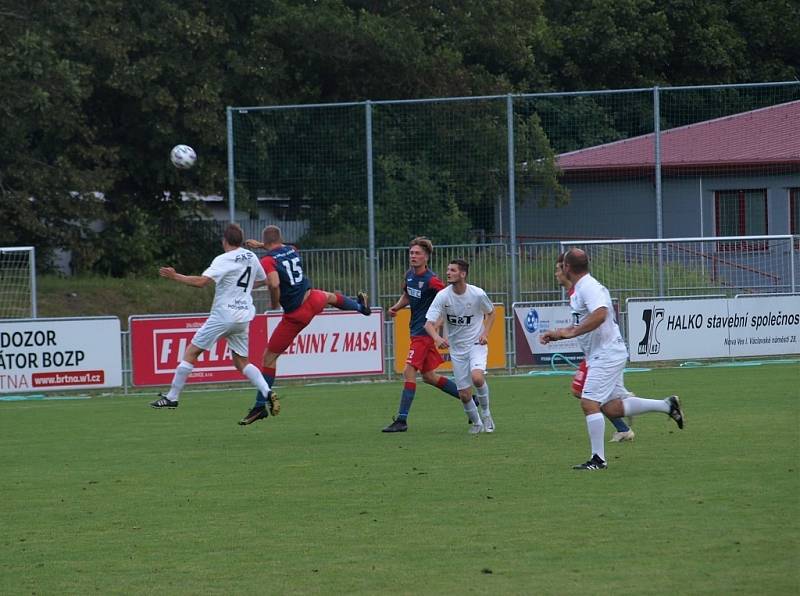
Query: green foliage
<point x="96" y="93"/>
<point x="417" y="199"/>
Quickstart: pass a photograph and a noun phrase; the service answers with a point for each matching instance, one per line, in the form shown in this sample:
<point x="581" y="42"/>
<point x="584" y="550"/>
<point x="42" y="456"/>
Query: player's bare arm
<point x="198" y="281"/>
<point x="274" y="284"/>
<point x="488" y="322"/>
<point x="253" y="244"/>
<point x="399" y="305"/>
<point x="432" y="329"/>
<point x="590" y="323"/>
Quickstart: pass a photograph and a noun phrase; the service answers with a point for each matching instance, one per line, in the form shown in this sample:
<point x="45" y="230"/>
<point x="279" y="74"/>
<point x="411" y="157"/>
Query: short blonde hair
<point x="271" y="235"/>
<point x="424" y="243"/>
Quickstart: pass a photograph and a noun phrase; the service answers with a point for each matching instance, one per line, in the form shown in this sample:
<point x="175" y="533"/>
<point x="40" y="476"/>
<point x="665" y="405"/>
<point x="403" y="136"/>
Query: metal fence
<point x="636" y="267"/>
<point x="673" y="267"/>
<point x="519" y="169"/>
<point x="18" y="282"/>
<point x="725" y="266"/>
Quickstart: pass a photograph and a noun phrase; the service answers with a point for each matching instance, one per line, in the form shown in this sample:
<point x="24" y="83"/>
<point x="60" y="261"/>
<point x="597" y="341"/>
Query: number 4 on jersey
<point x="244" y="280"/>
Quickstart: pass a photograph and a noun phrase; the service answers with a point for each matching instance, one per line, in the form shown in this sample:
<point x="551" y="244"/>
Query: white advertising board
<point x="58" y="354"/>
<point x="334" y="343"/>
<point x="535" y="319"/>
<point x="713" y="328"/>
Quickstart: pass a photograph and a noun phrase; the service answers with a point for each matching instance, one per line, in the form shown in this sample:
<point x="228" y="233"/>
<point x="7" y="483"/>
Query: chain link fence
<point x="672" y="191"/>
<point x="519" y="170"/>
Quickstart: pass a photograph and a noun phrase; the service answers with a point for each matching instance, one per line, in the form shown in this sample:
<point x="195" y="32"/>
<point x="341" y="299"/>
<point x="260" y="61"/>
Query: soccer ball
<point x="182" y="157"/>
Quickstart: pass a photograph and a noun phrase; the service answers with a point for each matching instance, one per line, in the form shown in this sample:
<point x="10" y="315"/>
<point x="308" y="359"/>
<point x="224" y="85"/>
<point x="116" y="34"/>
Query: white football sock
<point x="254" y="375"/>
<point x="483" y="397"/>
<point x="633" y="406"/>
<point x="596" y="425"/>
<point x="472" y="411"/>
<point x="179" y="380"/>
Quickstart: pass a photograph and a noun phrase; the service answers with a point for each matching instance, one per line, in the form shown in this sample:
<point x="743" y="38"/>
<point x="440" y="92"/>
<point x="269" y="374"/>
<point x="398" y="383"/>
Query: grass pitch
<point x="109" y="496"/>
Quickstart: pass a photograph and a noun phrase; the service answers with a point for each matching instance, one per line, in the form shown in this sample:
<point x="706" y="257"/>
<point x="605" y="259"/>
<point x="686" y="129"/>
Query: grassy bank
<point x="101" y="296"/>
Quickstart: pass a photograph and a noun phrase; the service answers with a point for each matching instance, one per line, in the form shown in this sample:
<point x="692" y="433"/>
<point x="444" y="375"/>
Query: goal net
<point x="17" y="282"/>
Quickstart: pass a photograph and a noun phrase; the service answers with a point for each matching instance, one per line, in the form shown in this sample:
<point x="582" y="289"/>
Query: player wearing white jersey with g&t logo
<point x="467" y="315"/>
<point x="598" y="335"/>
<point x="235" y="272"/>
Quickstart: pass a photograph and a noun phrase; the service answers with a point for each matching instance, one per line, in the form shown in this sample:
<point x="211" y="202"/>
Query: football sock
<point x="268" y="375"/>
<point x="472" y="412"/>
<point x="483" y="397"/>
<point x="596" y="425"/>
<point x="179" y="380"/>
<point x="448" y="386"/>
<point x="620" y="425"/>
<point x="345" y="303"/>
<point x="254" y="376"/>
<point x="633" y="406"/>
<point x="409" y="389"/>
<point x="268" y="372"/>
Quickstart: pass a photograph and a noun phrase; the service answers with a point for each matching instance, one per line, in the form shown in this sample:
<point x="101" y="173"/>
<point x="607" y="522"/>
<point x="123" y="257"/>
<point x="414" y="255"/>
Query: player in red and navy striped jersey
<point x="289" y="287"/>
<point x="419" y="288"/>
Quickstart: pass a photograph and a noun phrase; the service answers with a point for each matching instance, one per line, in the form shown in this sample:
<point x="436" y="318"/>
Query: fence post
<point x="373" y="260"/>
<point x="231" y="181"/>
<point x="512" y="207"/>
<point x="34" y="299"/>
<point x="659" y="215"/>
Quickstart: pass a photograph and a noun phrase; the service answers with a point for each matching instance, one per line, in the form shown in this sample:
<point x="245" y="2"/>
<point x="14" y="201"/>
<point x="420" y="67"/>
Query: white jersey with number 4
<point x="234" y="274"/>
<point x="589" y="295"/>
<point x="462" y="315"/>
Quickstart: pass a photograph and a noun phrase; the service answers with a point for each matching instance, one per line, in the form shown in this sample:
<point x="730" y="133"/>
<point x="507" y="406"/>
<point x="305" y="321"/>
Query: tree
<point x="47" y="160"/>
<point x="96" y="93"/>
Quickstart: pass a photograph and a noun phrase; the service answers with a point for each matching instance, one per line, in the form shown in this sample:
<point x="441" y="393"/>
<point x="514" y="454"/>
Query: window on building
<point x="741" y="213"/>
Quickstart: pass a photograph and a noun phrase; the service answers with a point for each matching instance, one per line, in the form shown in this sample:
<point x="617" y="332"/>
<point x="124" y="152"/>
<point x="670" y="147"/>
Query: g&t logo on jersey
<point x="462" y="321"/>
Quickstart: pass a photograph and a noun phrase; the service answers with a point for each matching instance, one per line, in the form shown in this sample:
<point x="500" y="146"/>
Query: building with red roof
<point x="735" y="175"/>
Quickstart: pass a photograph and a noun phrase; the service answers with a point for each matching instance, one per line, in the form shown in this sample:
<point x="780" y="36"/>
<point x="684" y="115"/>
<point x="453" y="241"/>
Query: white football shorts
<point x="237" y="334"/>
<point x="465" y="363"/>
<point x="604" y="377"/>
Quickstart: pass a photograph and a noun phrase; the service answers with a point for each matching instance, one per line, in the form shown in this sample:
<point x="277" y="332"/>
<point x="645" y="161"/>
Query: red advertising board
<point x="335" y="343"/>
<point x="158" y="344"/>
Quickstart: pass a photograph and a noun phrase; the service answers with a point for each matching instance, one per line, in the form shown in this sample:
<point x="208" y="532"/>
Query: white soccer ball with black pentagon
<point x="182" y="157"/>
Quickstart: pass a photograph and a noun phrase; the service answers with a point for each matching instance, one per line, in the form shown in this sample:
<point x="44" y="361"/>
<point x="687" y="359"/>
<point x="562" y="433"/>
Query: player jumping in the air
<point x="289" y="287"/>
<point x="235" y="273"/>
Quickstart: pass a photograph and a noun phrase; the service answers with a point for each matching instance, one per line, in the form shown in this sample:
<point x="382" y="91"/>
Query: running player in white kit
<point x="467" y="315"/>
<point x="598" y="334"/>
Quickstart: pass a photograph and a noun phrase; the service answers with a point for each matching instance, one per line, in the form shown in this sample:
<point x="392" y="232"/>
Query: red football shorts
<point x="423" y="355"/>
<point x="291" y="324"/>
<point x="579" y="379"/>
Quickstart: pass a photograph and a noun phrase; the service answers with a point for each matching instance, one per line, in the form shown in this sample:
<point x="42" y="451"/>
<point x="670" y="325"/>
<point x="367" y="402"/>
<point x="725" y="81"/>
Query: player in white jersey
<point x="598" y="334"/>
<point x="235" y="272"/>
<point x="467" y="315"/>
<point x="623" y="431"/>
